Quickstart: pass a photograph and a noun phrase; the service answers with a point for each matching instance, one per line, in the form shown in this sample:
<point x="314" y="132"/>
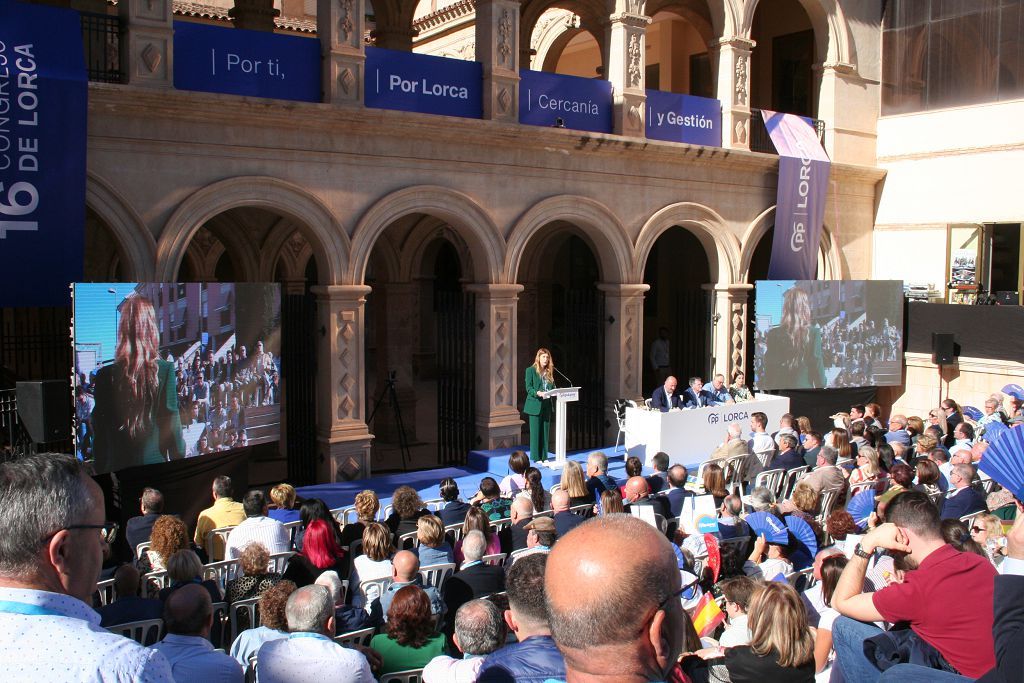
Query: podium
<point x="562" y="397"/>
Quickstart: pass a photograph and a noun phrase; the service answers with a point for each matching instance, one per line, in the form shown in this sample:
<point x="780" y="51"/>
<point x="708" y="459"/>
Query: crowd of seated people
<point x="866" y="606"/>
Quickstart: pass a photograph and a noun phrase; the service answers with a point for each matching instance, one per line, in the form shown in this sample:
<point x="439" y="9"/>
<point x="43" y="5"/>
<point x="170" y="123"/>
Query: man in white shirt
<point x="479" y="631"/>
<point x="257" y="527"/>
<point x="309" y="654"/>
<point x="51" y="553"/>
<point x="762" y="445"/>
<point x="188" y="616"/>
<point x="964" y="435"/>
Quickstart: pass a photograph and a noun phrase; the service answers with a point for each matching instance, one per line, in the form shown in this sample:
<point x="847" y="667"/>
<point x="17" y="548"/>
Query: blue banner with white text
<point x="684" y="118"/>
<point x="547" y="99"/>
<point x="43" y="97"/>
<point x="407" y="81"/>
<point x="239" y="62"/>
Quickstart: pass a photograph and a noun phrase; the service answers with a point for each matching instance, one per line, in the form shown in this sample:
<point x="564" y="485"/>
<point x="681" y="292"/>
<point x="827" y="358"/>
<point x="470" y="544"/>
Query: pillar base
<point x="343" y="459"/>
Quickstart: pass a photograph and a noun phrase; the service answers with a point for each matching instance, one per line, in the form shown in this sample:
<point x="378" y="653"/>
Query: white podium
<point x="562" y="397"/>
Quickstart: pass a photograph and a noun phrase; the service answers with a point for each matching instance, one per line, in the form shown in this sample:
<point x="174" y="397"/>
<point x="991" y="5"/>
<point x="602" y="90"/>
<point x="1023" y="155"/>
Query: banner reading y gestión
<point x="43" y="93"/>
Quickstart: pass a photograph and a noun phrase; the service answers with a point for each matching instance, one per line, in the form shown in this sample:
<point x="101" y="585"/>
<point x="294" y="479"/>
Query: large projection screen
<point x="825" y="334"/>
<point x="165" y="371"/>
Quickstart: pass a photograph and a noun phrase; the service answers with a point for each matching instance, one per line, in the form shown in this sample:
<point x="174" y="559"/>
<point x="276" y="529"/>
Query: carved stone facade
<point x="148" y="46"/>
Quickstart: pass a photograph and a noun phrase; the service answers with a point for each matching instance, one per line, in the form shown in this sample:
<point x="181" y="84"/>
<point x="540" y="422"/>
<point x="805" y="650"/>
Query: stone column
<point x="340" y="26"/>
<point x="729" y="345"/>
<point x="147" y="49"/>
<point x="393" y="37"/>
<point x="497" y="38"/>
<point x="847" y="129"/>
<point x="730" y="57"/>
<point x="497" y="414"/>
<point x="623" y="344"/>
<point x="342" y="434"/>
<point x="254" y="15"/>
<point x="627" y="27"/>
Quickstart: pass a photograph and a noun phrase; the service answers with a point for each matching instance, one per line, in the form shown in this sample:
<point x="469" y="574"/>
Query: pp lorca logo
<point x="713" y="418"/>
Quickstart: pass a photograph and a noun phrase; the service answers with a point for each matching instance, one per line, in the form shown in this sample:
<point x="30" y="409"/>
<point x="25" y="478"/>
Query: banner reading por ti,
<point x="43" y="91"/>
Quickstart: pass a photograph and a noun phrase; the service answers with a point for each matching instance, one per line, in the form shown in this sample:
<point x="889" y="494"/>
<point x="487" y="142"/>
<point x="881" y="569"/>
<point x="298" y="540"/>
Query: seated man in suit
<point x="665" y="396"/>
<point x="565" y="521"/>
<point x="638" y="494"/>
<point x="788" y="457"/>
<point x="962" y="499"/>
<point x="474" y="580"/>
<point x="676" y="491"/>
<point x="696" y="396"/>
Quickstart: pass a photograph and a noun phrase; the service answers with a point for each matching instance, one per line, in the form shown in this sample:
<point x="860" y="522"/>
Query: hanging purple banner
<point x="800" y="204"/>
<point x="684" y="118"/>
<point x="547" y="99"/>
<point x="43" y="98"/>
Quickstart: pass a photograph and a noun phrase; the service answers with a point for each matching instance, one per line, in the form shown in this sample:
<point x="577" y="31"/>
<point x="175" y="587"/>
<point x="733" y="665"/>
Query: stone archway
<point x="133" y="238"/>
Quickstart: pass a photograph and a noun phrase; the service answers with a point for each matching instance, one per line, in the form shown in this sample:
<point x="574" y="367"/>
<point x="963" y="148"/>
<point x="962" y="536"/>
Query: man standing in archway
<point x="659" y="356"/>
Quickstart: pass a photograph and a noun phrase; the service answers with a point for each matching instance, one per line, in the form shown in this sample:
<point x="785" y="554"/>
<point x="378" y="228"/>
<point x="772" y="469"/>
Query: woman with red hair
<point x="320" y="552"/>
<point x="409" y="640"/>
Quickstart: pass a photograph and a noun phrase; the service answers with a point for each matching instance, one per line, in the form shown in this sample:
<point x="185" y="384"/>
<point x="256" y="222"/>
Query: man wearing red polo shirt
<point x="960" y="630"/>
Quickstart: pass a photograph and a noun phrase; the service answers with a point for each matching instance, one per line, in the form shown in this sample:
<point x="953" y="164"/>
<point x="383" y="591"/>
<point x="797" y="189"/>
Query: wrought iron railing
<point x="101" y="38"/>
<point x="13" y="439"/>
<point x="761" y="142"/>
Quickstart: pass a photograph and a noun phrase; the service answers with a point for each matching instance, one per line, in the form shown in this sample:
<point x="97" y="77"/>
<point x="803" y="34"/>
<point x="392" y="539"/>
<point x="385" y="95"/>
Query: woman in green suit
<point x="539" y="379"/>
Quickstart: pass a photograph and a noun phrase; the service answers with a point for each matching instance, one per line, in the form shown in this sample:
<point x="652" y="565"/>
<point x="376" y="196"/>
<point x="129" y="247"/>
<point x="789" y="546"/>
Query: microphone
<point x="564" y="377"/>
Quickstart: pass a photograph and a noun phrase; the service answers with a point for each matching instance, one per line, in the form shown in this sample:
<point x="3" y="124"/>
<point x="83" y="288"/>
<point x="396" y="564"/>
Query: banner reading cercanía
<point x="43" y="91"/>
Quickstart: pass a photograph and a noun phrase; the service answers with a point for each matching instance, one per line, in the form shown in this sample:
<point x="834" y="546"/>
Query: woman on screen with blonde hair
<point x="539" y="380"/>
<point x="136" y="419"/>
<point x="793" y="356"/>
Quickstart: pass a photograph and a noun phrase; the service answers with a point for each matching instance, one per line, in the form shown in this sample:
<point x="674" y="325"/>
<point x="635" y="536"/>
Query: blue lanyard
<point x="10" y="607"/>
<point x="307" y="634"/>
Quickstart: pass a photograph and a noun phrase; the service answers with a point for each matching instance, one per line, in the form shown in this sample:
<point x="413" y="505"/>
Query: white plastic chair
<point x="106" y="591"/>
<point x="145" y="632"/>
<point x="497" y="559"/>
<point x="410" y="676"/>
<point x="436" y="574"/>
<point x="404" y="539"/>
<point x="279" y="561"/>
<point x="211" y="540"/>
<point x="243" y="615"/>
<point x="371" y="589"/>
<point x="455" y="530"/>
<point x="221" y="572"/>
<point x="360" y="637"/>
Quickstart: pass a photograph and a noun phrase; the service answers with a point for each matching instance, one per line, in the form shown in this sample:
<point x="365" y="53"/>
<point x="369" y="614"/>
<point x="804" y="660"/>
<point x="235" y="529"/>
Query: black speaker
<point x="943" y="351"/>
<point x="45" y="409"/>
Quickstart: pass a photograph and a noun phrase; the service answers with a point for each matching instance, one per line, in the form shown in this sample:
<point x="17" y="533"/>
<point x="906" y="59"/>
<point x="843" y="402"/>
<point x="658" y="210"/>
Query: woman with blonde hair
<point x="868" y="466"/>
<point x="136" y="419"/>
<point x="185" y="567"/>
<point x="987" y="530"/>
<point x="282" y="508"/>
<point x="367" y="505"/>
<point x="374" y="563"/>
<point x="781" y="646"/>
<point x="434" y="547"/>
<point x="575" y="484"/>
<point x="539" y="379"/>
<point x="793" y="358"/>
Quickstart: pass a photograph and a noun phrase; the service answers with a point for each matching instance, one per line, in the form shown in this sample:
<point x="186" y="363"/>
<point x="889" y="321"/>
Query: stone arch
<point x="592" y="13"/>
<point x="551" y="36"/>
<point x="604" y="230"/>
<point x="420" y="240"/>
<point x="830" y="262"/>
<point x="319" y="225"/>
<point x="466" y="217"/>
<point x="126" y="225"/>
<point x="704" y="22"/>
<point x="833" y="40"/>
<point x="230" y="235"/>
<point x="721" y="247"/>
<point x="273" y="250"/>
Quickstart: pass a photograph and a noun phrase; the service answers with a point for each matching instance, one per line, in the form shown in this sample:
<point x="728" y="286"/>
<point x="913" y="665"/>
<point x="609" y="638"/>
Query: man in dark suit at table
<point x="696" y="396"/>
<point x="665" y="396"/>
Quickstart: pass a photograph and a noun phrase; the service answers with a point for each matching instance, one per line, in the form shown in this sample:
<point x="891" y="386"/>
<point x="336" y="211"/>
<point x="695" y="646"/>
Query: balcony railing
<point x="101" y="38"/>
<point x="761" y="142"/>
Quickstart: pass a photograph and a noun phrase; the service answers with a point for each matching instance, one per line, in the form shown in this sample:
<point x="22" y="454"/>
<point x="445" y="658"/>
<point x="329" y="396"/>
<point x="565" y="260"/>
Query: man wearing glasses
<point x="51" y="552"/>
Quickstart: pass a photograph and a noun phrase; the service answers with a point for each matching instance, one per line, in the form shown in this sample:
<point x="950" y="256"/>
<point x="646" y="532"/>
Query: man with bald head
<point x="599" y="639"/>
<point x="565" y="521"/>
<point x="405" y="571"/>
<point x="513" y="537"/>
<point x="638" y="494"/>
<point x="188" y="616"/>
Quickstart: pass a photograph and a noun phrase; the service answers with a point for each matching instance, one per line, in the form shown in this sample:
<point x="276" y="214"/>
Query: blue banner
<point x="800" y="199"/>
<point x="407" y="81"/>
<point x="43" y="95"/>
<point x="547" y="99"/>
<point x="239" y="62"/>
<point x="684" y="118"/>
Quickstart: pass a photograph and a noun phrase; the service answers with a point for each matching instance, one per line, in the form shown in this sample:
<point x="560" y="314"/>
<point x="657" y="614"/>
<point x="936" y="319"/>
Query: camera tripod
<point x="392" y="396"/>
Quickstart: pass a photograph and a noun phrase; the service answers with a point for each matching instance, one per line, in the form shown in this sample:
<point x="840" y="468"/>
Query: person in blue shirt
<point x="696" y="396"/>
<point x="719" y="391"/>
<point x="188" y="616"/>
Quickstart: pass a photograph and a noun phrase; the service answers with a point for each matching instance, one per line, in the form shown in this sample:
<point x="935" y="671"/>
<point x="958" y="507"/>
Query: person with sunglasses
<point x="50" y="557"/>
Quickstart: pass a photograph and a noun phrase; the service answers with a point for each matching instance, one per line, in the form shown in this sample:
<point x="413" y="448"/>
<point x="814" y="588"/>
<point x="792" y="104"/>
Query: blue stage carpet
<point x="480" y="464"/>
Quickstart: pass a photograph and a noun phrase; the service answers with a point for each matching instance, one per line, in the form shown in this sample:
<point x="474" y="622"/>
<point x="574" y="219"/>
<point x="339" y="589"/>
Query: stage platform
<point x="480" y="464"/>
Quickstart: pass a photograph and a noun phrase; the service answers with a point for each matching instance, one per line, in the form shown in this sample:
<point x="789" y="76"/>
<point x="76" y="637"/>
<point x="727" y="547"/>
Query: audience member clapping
<point x="256" y="577"/>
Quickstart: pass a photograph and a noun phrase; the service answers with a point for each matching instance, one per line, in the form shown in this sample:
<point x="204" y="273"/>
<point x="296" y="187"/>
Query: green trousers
<point x="539" y="428"/>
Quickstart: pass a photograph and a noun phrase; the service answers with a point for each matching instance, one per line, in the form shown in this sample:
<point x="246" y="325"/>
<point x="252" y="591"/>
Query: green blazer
<point x="533" y="404"/>
<point x="113" y="447"/>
